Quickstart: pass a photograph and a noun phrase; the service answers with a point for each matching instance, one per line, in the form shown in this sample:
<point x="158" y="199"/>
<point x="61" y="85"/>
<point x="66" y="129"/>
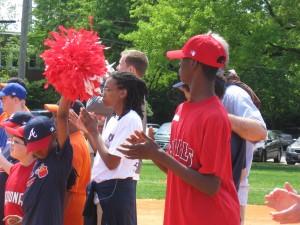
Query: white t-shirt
<point x="114" y="134"/>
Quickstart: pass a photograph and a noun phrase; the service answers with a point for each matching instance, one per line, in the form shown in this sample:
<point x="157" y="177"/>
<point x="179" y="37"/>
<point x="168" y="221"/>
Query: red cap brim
<point x="8" y="124"/>
<point x="19" y="132"/>
<point x="177" y="54"/>
<point x="39" y="145"/>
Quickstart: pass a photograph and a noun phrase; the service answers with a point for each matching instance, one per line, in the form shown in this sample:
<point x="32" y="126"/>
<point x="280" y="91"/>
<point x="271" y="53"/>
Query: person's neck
<point x="27" y="161"/>
<point x="17" y="109"/>
<point x="201" y="91"/>
<point x="119" y="109"/>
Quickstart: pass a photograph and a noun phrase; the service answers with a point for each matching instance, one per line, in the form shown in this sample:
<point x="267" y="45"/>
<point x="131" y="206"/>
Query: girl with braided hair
<point x="112" y="172"/>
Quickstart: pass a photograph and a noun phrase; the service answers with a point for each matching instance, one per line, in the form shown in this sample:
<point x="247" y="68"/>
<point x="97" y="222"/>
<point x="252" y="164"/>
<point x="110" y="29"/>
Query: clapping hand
<point x="76" y="121"/>
<point x="289" y="215"/>
<point x="287" y="204"/>
<point x="89" y="120"/>
<point x="140" y="146"/>
<point x="279" y="199"/>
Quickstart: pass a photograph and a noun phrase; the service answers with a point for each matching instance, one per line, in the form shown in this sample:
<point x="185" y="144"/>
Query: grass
<point x="152" y="183"/>
<point x="264" y="177"/>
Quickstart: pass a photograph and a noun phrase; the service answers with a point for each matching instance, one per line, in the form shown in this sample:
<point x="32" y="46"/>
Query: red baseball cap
<point x="19" y="118"/>
<point x="203" y="48"/>
<point x="19" y="132"/>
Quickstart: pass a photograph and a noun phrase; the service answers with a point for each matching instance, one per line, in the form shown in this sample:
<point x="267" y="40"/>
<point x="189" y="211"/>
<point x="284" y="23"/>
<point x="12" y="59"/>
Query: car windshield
<point x="165" y="129"/>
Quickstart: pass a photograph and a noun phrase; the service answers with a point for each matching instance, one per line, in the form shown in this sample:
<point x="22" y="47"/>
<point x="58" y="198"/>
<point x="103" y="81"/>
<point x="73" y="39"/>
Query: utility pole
<point x="24" y="31"/>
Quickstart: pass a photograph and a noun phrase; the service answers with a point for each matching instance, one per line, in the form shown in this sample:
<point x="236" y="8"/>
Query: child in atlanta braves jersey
<point x="44" y="196"/>
<point x="200" y="188"/>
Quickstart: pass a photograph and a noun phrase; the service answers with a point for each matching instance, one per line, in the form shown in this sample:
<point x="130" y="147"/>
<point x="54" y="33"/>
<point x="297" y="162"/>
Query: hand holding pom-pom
<point x="75" y="63"/>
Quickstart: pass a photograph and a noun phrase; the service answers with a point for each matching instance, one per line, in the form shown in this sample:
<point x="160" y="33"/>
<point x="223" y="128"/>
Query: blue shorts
<point x="118" y="201"/>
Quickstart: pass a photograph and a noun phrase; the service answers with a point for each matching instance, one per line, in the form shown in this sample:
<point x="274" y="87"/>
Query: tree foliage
<point x="262" y="34"/>
<point x="110" y="18"/>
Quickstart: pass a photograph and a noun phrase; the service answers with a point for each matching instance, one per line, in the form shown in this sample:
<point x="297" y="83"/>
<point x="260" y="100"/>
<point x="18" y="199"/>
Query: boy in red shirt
<point x="200" y="188"/>
<point x="19" y="172"/>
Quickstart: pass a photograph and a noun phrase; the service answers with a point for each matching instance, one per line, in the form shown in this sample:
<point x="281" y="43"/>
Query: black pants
<point x="118" y="201"/>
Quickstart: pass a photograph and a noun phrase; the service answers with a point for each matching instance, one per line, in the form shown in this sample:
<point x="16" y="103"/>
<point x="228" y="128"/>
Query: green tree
<point x="49" y="14"/>
<point x="261" y="33"/>
<point x="10" y="54"/>
<point x="110" y="18"/>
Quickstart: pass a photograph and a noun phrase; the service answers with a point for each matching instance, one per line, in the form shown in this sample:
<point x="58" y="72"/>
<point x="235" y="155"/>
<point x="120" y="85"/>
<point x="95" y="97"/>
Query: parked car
<point x="286" y="139"/>
<point x="162" y="136"/>
<point x="269" y="149"/>
<point x="153" y="125"/>
<point x="294" y="131"/>
<point x="41" y="112"/>
<point x="292" y="154"/>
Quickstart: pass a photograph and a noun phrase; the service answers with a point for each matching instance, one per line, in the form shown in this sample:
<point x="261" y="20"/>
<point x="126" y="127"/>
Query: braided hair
<point x="136" y="91"/>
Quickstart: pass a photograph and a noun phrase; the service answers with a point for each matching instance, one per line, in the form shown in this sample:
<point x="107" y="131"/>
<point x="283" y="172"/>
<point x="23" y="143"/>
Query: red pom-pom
<point x="75" y="63"/>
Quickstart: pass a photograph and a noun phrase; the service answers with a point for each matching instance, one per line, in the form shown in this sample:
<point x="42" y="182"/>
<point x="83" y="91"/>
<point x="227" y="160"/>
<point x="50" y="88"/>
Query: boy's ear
<point x="16" y="100"/>
<point x="132" y="70"/>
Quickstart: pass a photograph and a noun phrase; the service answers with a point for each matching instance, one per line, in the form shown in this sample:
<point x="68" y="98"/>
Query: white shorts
<point x="243" y="193"/>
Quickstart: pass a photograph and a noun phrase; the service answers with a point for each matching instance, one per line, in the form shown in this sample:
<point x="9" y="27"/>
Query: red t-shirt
<point x="200" y="139"/>
<point x="15" y="188"/>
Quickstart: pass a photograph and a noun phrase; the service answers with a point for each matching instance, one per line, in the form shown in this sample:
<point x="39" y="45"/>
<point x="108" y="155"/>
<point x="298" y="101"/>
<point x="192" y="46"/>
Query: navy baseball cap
<point x="37" y="133"/>
<point x="17" y="119"/>
<point x="15" y="90"/>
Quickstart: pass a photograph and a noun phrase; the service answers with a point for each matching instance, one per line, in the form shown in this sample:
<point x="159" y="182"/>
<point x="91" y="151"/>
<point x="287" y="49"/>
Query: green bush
<point x="38" y="95"/>
<point x="5" y="74"/>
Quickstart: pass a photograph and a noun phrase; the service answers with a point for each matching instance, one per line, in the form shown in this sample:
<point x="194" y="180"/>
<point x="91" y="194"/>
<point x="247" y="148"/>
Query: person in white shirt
<point x="114" y="175"/>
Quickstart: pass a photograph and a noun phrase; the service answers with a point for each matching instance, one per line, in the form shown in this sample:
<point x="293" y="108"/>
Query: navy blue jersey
<point x="238" y="157"/>
<point x="44" y="196"/>
<point x="3" y="178"/>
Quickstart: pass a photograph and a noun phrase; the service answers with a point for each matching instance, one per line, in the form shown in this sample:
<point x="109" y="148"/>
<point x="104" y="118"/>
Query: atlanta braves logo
<point x="42" y="171"/>
<point x="32" y="134"/>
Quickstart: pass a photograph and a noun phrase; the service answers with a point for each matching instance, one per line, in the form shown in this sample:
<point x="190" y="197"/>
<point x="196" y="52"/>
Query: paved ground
<point x="150" y="212"/>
